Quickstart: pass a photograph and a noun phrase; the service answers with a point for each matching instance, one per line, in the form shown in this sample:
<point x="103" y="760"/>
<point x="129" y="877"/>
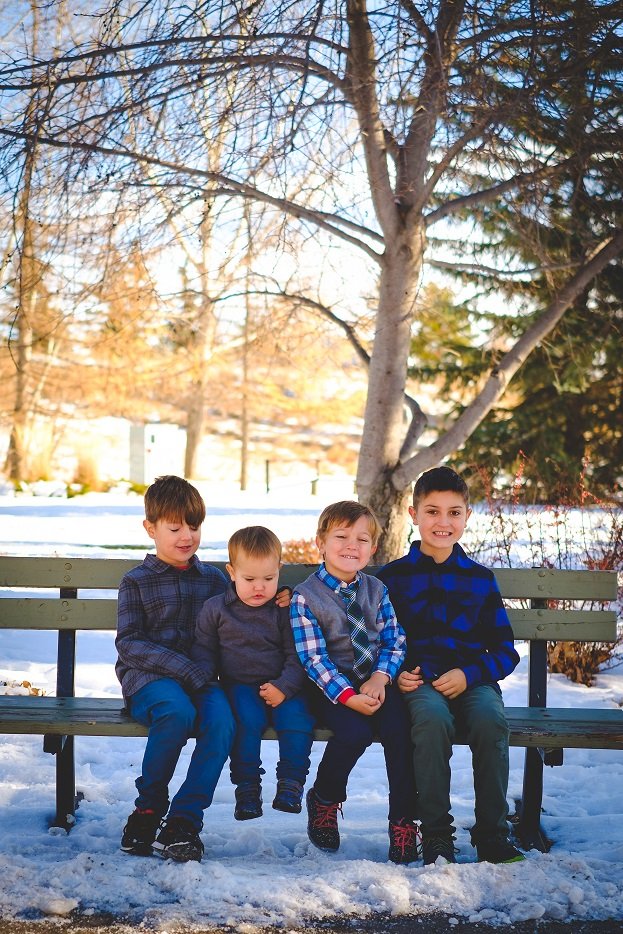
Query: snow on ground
<point x="266" y="871"/>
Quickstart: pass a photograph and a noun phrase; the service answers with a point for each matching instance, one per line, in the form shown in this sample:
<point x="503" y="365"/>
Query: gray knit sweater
<point x="247" y="644"/>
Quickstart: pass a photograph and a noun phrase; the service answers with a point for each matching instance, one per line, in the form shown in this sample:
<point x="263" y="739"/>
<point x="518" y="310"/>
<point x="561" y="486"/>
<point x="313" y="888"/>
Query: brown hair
<point x="256" y="541"/>
<point x="175" y="500"/>
<point x="347" y="512"/>
<point x="440" y="480"/>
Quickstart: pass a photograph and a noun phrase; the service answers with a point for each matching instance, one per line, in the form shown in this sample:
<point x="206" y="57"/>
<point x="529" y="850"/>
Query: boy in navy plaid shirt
<point x="162" y="686"/>
<point x="459" y="645"/>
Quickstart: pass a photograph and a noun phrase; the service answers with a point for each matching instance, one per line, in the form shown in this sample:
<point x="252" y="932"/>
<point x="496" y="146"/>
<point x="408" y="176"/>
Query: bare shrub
<point x="300" y="551"/>
<point x="578" y="531"/>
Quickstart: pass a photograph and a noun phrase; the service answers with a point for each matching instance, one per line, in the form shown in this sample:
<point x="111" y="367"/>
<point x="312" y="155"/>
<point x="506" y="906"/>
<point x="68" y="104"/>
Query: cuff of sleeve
<point x="472" y="674"/>
<point x="346" y="695"/>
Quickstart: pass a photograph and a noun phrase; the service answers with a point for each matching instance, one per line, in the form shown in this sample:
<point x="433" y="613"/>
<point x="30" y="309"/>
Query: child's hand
<point x="409" y="680"/>
<point x="364" y="704"/>
<point x="375" y="686"/>
<point x="283" y="597"/>
<point x="271" y="695"/>
<point x="451" y="684"/>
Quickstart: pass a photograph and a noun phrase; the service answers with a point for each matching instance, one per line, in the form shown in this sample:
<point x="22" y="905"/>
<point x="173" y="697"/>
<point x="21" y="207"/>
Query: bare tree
<point x="392" y="129"/>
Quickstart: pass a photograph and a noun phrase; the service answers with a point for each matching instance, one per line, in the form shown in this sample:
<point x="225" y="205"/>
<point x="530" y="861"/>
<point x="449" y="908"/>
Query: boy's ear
<point x="412" y="514"/>
<point x="468" y="513"/>
<point x="150" y="528"/>
<point x="230" y="570"/>
<point x="319" y="545"/>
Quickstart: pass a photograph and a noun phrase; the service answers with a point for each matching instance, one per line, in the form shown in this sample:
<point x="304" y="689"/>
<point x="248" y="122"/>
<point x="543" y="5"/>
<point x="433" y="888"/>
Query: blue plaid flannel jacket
<point x="453" y="616"/>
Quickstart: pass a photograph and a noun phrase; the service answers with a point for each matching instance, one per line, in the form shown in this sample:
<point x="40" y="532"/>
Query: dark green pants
<point x="479" y="711"/>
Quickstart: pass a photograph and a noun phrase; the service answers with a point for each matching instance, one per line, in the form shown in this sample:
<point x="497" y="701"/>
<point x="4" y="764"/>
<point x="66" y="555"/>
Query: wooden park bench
<point x="62" y="604"/>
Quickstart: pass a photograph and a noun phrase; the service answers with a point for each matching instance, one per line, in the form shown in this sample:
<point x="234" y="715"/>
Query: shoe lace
<point x="326" y="814"/>
<point x="406" y="835"/>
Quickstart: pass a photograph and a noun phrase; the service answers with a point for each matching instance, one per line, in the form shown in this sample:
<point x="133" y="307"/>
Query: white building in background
<point x="156" y="449"/>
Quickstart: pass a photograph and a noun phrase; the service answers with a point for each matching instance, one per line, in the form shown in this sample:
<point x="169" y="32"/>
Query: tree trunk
<point x="391" y="507"/>
<point x="385" y="420"/>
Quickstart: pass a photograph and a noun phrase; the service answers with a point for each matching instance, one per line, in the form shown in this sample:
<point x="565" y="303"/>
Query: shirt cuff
<point x="346" y="695"/>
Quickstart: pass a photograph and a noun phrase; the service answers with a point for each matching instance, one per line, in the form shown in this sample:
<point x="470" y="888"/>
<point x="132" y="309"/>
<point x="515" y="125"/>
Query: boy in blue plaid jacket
<point x="459" y="645"/>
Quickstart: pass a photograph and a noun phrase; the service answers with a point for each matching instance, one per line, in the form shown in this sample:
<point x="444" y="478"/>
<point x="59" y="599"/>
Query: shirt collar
<point x="156" y="564"/>
<point x="332" y="582"/>
<point x="457" y="558"/>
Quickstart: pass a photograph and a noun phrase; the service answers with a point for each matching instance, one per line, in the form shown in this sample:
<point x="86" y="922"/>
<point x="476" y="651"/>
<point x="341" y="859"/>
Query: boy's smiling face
<point x="347" y="549"/>
<point x="176" y="541"/>
<point x="440" y="517"/>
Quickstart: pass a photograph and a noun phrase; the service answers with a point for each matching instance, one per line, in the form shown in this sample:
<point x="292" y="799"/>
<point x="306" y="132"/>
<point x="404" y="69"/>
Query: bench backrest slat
<point x="31" y="613"/>
<point x="105" y="573"/>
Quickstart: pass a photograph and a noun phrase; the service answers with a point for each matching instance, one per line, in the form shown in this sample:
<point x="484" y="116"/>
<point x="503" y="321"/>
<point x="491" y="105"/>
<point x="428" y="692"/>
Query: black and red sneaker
<point x="140" y="832"/>
<point x="404" y="841"/>
<point x="322" y="822"/>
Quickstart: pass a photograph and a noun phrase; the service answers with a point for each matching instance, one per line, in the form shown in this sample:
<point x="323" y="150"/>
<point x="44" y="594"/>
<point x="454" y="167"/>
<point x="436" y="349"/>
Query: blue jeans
<point x="353" y="732"/>
<point x="434" y="719"/>
<point x="292" y="721"/>
<point x="173" y="716"/>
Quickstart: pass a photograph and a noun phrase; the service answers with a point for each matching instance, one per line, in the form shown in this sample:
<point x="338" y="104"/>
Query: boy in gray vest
<point x="351" y="646"/>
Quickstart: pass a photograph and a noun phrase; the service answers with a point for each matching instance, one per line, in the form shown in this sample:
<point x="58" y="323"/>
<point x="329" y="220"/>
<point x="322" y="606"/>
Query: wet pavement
<point x="434" y="923"/>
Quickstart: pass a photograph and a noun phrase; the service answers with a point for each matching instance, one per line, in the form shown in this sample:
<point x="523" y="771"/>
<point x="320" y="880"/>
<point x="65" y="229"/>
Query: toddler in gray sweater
<point x="244" y="637"/>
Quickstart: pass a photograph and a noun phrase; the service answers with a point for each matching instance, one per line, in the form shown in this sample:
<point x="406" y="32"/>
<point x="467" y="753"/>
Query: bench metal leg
<point x="528" y="828"/>
<point x="65" y="785"/>
<point x="66" y="799"/>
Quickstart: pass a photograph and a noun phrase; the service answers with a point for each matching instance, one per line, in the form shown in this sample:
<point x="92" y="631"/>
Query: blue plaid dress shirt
<point x="311" y="647"/>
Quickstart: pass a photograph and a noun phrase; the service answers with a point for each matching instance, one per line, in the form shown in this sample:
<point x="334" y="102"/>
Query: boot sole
<point x="138" y="849"/>
<point x="181" y="854"/>
<point x="244" y="815"/>
<point x="288" y="808"/>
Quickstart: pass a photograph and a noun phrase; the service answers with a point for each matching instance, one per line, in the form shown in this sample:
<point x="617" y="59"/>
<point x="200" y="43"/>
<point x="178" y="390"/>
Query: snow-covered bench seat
<point x="558" y="606"/>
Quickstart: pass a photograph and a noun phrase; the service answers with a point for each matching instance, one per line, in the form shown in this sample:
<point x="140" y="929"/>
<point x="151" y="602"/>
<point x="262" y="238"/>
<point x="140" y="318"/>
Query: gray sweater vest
<point x="329" y="608"/>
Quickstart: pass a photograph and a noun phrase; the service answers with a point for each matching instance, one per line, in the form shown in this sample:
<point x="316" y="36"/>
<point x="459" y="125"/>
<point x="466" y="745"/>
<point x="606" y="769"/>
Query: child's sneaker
<point x="248" y="801"/>
<point x="322" y="822"/>
<point x="404" y="841"/>
<point x="434" y="848"/>
<point x="498" y="850"/>
<point x="289" y="796"/>
<point x="140" y="832"/>
<point x="178" y="840"/>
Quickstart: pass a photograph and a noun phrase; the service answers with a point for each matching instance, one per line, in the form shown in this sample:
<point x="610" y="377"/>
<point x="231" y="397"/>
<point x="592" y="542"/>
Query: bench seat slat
<point x="91" y="716"/>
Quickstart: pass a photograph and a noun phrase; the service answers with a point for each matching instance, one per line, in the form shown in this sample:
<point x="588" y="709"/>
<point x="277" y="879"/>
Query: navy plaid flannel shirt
<point x="453" y="616"/>
<point x="157" y="609"/>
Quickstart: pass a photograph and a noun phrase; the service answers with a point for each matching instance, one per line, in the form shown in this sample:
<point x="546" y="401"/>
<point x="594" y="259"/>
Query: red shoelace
<point x="406" y="835"/>
<point x="326" y="814"/>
